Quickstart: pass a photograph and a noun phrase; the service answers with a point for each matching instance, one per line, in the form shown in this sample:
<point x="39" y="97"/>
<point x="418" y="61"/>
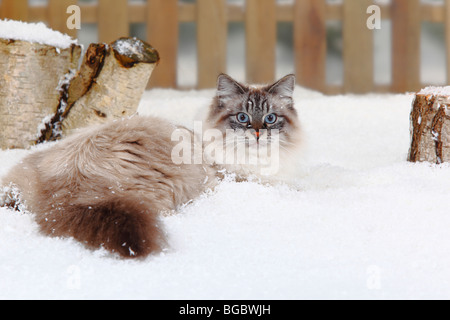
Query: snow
<point x="128" y="47"/>
<point x="363" y="224"/>
<point x="34" y="33"/>
<point x="437" y="91"/>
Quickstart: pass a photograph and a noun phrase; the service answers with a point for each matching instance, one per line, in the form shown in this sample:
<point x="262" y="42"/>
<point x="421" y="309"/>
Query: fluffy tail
<point x="127" y="226"/>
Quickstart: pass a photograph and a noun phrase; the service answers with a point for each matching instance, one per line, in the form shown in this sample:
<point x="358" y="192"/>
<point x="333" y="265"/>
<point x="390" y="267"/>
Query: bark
<point x="31" y="77"/>
<point x="110" y="83"/>
<point x="430" y="129"/>
<point x="43" y="95"/>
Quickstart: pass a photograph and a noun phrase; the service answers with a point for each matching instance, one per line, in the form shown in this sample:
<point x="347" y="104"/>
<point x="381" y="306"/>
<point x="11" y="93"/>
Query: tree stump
<point x="30" y="77"/>
<point x="430" y="126"/>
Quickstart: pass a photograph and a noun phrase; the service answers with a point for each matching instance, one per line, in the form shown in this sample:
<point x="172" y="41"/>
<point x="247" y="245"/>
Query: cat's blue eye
<point x="271" y="119"/>
<point x="243" y="118"/>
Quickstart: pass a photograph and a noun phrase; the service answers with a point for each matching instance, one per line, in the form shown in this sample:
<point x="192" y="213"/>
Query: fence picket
<point x="57" y="16"/>
<point x="112" y="20"/>
<point x="310" y="43"/>
<point x="162" y="33"/>
<point x="261" y="39"/>
<point x="211" y="41"/>
<point x="405" y="45"/>
<point x="309" y="19"/>
<point x="15" y="9"/>
<point x="447" y="37"/>
<point x="358" y="47"/>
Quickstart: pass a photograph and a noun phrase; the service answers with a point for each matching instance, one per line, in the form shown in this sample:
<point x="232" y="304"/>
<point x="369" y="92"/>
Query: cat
<point x="248" y="117"/>
<point x="107" y="186"/>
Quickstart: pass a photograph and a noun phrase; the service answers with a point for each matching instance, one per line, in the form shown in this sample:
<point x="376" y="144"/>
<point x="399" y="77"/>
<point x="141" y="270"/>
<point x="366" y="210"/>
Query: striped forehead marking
<point x="257" y="103"/>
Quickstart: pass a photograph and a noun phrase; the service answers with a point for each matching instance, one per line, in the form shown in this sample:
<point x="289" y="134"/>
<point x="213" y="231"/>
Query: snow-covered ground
<point x="365" y="224"/>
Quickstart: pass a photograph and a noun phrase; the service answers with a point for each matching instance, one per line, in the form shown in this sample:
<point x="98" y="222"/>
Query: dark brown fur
<point x="126" y="225"/>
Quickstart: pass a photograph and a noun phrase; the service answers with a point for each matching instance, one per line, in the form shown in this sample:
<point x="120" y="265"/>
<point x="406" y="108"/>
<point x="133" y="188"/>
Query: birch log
<point x="430" y="126"/>
<point x="30" y="78"/>
<point x="110" y="83"/>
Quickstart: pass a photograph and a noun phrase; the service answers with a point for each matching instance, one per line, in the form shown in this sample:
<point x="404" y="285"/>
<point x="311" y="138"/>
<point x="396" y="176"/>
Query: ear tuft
<point x="227" y="86"/>
<point x="283" y="87"/>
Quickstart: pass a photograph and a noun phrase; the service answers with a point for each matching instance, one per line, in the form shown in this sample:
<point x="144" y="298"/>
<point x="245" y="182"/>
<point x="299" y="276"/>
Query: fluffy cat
<point x="106" y="186"/>
<point x="248" y="117"/>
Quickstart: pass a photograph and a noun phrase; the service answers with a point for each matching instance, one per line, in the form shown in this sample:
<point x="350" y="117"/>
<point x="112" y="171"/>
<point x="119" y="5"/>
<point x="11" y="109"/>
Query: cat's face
<point x="256" y="116"/>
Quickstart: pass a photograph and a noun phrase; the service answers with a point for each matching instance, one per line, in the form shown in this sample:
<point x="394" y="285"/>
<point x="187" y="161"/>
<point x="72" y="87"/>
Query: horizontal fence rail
<point x="260" y="17"/>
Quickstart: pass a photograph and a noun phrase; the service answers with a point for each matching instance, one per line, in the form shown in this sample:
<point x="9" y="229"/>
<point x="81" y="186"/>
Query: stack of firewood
<point x="45" y="95"/>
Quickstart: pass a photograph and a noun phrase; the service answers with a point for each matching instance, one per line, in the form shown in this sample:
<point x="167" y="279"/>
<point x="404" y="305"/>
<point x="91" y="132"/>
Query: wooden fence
<point x="309" y="18"/>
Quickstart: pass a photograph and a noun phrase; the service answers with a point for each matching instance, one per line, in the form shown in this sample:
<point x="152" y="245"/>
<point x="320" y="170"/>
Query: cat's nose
<point x="256" y="133"/>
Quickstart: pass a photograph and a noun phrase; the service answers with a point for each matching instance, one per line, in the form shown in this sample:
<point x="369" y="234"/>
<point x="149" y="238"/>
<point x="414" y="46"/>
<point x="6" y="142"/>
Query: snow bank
<point x="34" y="33"/>
<point x="364" y="223"/>
<point x="440" y="91"/>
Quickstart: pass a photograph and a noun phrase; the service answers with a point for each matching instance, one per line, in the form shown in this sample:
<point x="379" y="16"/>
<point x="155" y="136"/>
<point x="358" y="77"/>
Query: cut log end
<point x="110" y="83"/>
<point x="430" y="126"/>
<point x="129" y="51"/>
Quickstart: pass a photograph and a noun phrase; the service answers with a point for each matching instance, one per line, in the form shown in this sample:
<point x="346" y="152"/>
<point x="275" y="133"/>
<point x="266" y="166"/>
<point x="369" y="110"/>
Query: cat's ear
<point x="227" y="87"/>
<point x="283" y="87"/>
